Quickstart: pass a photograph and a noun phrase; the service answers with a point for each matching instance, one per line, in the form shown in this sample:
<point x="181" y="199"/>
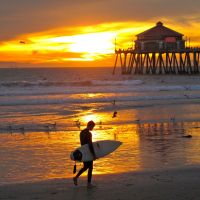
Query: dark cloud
<point x="26" y="16"/>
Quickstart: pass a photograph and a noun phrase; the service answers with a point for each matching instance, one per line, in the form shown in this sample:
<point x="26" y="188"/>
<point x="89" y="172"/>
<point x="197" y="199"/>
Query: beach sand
<point x="40" y="109"/>
<point x="168" y="184"/>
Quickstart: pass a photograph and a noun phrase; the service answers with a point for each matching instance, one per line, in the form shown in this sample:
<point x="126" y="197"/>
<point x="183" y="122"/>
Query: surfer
<point x="86" y="138"/>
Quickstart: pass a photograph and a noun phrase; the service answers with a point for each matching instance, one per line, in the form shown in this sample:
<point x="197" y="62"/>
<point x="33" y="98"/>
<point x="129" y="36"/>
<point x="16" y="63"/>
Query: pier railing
<point x="182" y="61"/>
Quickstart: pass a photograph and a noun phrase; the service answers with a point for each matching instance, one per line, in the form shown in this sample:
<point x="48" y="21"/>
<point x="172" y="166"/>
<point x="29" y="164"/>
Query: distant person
<point x="86" y="138"/>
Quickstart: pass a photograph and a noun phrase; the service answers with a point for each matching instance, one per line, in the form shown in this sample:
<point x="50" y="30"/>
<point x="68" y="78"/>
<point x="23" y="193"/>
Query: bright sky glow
<point x="81" y="44"/>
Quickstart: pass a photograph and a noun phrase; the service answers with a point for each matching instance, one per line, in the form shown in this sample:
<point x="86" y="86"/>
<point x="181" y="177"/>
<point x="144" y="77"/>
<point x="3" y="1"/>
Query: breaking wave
<point x="67" y="83"/>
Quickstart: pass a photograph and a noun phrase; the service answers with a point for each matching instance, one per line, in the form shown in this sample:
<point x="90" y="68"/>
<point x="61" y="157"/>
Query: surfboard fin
<point x="74" y="170"/>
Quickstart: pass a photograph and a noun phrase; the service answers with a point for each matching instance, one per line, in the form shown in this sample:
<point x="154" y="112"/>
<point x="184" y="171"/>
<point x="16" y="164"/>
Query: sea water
<point x="42" y="112"/>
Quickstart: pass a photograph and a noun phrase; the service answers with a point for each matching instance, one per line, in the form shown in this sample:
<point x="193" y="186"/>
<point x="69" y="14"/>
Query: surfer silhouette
<point x="86" y="138"/>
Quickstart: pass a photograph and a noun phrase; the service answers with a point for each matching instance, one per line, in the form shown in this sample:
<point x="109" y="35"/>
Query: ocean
<point x="43" y="110"/>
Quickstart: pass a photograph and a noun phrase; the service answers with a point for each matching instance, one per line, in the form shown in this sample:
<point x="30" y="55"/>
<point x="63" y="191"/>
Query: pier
<point x="158" y="50"/>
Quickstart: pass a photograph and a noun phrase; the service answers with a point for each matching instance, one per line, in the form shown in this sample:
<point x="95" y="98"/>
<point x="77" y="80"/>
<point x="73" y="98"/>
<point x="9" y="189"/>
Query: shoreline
<point x="178" y="183"/>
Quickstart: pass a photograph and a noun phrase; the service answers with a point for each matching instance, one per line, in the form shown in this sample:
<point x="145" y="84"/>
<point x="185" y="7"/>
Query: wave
<point x="116" y="82"/>
<point x="68" y="99"/>
<point x="86" y="87"/>
<point x="68" y="83"/>
<point x="41" y="83"/>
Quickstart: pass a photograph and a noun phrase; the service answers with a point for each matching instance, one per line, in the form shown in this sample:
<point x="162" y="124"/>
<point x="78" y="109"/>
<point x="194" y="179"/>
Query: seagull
<point x="186" y="96"/>
<point x="137" y="120"/>
<point x="53" y="125"/>
<point x="78" y="123"/>
<point x="22" y="129"/>
<point x="114" y="114"/>
<point x="172" y="119"/>
<point x="10" y="128"/>
<point x="47" y="127"/>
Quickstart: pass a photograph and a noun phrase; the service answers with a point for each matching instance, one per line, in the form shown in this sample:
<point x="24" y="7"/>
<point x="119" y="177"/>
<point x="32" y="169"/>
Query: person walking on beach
<point x="86" y="138"/>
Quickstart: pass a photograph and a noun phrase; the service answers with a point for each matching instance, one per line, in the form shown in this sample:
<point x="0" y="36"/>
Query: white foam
<point x="122" y="82"/>
<point x="64" y="99"/>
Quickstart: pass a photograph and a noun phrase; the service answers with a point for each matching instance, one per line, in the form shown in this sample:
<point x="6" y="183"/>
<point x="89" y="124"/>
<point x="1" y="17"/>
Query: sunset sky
<point x="83" y="32"/>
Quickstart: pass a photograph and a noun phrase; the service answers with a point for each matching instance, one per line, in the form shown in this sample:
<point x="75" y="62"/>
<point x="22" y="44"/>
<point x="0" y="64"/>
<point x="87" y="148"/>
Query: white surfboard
<point x="101" y="149"/>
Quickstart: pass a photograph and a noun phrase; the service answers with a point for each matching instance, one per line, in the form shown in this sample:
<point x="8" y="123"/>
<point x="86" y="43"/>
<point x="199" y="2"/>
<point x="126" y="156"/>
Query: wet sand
<point x="177" y="184"/>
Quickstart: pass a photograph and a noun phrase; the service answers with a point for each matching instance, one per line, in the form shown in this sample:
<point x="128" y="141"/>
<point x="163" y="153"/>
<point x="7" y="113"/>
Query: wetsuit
<point x="86" y="138"/>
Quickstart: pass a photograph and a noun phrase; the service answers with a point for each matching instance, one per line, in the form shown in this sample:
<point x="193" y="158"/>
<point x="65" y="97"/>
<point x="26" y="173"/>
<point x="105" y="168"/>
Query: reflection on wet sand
<point x="35" y="156"/>
<point x="168" y="147"/>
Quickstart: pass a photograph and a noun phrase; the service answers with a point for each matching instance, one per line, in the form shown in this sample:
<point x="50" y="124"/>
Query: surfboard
<point x="101" y="149"/>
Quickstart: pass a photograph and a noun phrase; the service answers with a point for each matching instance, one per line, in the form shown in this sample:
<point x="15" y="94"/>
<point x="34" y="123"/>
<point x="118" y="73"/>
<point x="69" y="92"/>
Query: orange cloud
<point x="81" y="45"/>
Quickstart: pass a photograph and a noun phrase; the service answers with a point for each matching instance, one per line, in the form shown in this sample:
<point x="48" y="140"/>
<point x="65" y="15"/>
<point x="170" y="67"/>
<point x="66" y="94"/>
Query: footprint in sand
<point x="129" y="184"/>
<point x="162" y="179"/>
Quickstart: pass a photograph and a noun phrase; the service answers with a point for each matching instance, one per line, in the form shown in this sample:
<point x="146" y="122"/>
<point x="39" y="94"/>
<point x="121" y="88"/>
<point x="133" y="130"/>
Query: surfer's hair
<point x="91" y="123"/>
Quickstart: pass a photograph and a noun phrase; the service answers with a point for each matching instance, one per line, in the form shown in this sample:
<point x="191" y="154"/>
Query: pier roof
<point x="158" y="30"/>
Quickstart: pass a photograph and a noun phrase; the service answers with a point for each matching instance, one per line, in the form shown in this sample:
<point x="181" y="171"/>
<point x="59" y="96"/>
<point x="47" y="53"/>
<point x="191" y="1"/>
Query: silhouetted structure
<point x="159" y="38"/>
<point x="159" y="50"/>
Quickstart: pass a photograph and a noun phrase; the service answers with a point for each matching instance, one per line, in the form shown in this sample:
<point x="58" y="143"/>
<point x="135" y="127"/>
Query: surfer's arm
<point x="91" y="147"/>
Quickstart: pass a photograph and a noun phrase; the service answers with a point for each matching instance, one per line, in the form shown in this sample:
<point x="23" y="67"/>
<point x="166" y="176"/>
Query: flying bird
<point x="22" y="42"/>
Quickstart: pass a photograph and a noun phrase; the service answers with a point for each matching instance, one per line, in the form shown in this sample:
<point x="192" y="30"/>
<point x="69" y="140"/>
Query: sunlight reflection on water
<point x="38" y="155"/>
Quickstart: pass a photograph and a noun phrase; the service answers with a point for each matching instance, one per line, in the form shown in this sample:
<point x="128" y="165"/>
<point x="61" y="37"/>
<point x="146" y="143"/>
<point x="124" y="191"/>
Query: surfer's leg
<point x="85" y="167"/>
<point x="90" y="168"/>
<point x="75" y="179"/>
